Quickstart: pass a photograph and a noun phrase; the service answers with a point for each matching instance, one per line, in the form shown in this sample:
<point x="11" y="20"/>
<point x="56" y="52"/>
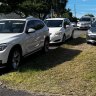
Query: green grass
<point x="68" y="70"/>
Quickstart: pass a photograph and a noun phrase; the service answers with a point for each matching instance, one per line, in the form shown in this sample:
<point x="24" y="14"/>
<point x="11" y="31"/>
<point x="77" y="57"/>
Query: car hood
<point x="54" y="30"/>
<point x="7" y="37"/>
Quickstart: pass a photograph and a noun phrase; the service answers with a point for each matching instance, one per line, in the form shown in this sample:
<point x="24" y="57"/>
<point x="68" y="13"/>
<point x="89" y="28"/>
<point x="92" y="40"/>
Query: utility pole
<point x="75" y="8"/>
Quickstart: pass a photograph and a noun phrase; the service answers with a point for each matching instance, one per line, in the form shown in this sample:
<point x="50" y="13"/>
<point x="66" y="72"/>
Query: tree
<point x="28" y="7"/>
<point x="7" y="6"/>
<point x="32" y="7"/>
<point x="59" y="6"/>
<point x="68" y="14"/>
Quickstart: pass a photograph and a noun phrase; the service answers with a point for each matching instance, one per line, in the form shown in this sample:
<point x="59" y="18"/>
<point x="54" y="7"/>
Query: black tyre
<point x="89" y="42"/>
<point x="64" y="38"/>
<point x="14" y="59"/>
<point x="46" y="46"/>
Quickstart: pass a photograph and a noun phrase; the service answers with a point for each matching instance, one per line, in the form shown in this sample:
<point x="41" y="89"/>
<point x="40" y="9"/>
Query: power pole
<point x="75" y="8"/>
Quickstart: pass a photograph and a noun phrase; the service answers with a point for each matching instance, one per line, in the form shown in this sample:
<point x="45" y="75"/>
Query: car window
<point x="31" y="24"/>
<point x="66" y="22"/>
<point x="35" y="24"/>
<point x="12" y="26"/>
<point x="54" y="23"/>
<point x="39" y="24"/>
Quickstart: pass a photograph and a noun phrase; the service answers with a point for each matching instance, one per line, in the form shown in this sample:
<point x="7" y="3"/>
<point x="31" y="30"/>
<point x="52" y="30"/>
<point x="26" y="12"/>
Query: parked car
<point x="60" y="29"/>
<point x="20" y="38"/>
<point x="74" y="24"/>
<point x="93" y="19"/>
<point x="85" y="22"/>
<point x="91" y="34"/>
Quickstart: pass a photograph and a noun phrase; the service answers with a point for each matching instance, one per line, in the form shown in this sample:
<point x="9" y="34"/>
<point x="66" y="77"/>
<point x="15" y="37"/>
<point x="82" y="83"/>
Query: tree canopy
<point x="32" y="7"/>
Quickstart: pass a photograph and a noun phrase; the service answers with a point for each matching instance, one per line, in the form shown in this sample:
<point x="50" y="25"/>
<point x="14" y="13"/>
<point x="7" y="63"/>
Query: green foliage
<point x="68" y="14"/>
<point x="32" y="7"/>
<point x="9" y="5"/>
<point x="28" y="7"/>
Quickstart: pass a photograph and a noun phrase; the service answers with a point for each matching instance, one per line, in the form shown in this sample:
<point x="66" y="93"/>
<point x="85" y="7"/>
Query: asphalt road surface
<point x="77" y="33"/>
<point x="4" y="91"/>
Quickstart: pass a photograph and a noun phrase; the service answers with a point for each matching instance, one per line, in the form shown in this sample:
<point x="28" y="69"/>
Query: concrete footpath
<point x="4" y="91"/>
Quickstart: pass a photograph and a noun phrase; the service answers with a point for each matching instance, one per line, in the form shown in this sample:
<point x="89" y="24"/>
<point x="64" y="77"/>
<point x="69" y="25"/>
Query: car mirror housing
<point x="31" y="30"/>
<point x="67" y="26"/>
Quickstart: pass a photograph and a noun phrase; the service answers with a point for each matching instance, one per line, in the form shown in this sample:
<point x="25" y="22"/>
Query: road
<point x="77" y="33"/>
<point x="4" y="91"/>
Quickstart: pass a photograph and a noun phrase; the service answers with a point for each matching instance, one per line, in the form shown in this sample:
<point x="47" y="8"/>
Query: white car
<point x="21" y="37"/>
<point x="60" y="29"/>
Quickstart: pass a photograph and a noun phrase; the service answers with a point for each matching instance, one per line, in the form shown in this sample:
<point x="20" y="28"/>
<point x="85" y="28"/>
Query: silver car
<point x="84" y="22"/>
<point x="91" y="34"/>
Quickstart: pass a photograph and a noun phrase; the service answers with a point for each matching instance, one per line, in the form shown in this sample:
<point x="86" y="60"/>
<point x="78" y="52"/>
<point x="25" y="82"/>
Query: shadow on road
<point x="4" y="71"/>
<point x="41" y="61"/>
<point x="76" y="41"/>
<point x="54" y="57"/>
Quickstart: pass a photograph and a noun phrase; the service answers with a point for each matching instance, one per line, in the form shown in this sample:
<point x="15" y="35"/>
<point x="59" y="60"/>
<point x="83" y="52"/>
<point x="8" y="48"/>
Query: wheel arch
<point x="18" y="46"/>
<point x="47" y="38"/>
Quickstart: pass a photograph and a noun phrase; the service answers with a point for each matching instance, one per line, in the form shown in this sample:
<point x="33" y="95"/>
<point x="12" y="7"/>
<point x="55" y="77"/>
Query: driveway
<point x="4" y="91"/>
<point x="9" y="92"/>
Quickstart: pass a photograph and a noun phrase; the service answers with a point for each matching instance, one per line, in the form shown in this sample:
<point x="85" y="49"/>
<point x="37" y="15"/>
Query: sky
<point x="82" y="7"/>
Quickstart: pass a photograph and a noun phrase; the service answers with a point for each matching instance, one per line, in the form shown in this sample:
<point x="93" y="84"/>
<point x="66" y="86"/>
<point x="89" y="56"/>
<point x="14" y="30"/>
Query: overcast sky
<point x="82" y="7"/>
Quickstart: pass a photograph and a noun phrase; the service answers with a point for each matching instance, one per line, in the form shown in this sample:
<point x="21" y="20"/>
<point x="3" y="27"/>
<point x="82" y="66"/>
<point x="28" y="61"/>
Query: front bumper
<point x="83" y="26"/>
<point x="4" y="57"/>
<point x="56" y="39"/>
<point x="91" y="38"/>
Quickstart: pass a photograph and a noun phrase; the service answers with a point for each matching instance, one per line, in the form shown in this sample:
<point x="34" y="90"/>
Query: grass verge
<point x="68" y="70"/>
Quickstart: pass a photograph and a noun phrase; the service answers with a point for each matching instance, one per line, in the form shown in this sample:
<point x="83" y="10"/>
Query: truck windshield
<point x="11" y="26"/>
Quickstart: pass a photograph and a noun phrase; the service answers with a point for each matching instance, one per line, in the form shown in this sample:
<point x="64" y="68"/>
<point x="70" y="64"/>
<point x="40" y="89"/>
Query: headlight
<point x="3" y="46"/>
<point x="58" y="33"/>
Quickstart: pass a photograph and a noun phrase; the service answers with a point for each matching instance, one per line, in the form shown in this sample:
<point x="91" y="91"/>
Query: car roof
<point x="23" y="19"/>
<point x="86" y="17"/>
<point x="12" y="19"/>
<point x="55" y="18"/>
